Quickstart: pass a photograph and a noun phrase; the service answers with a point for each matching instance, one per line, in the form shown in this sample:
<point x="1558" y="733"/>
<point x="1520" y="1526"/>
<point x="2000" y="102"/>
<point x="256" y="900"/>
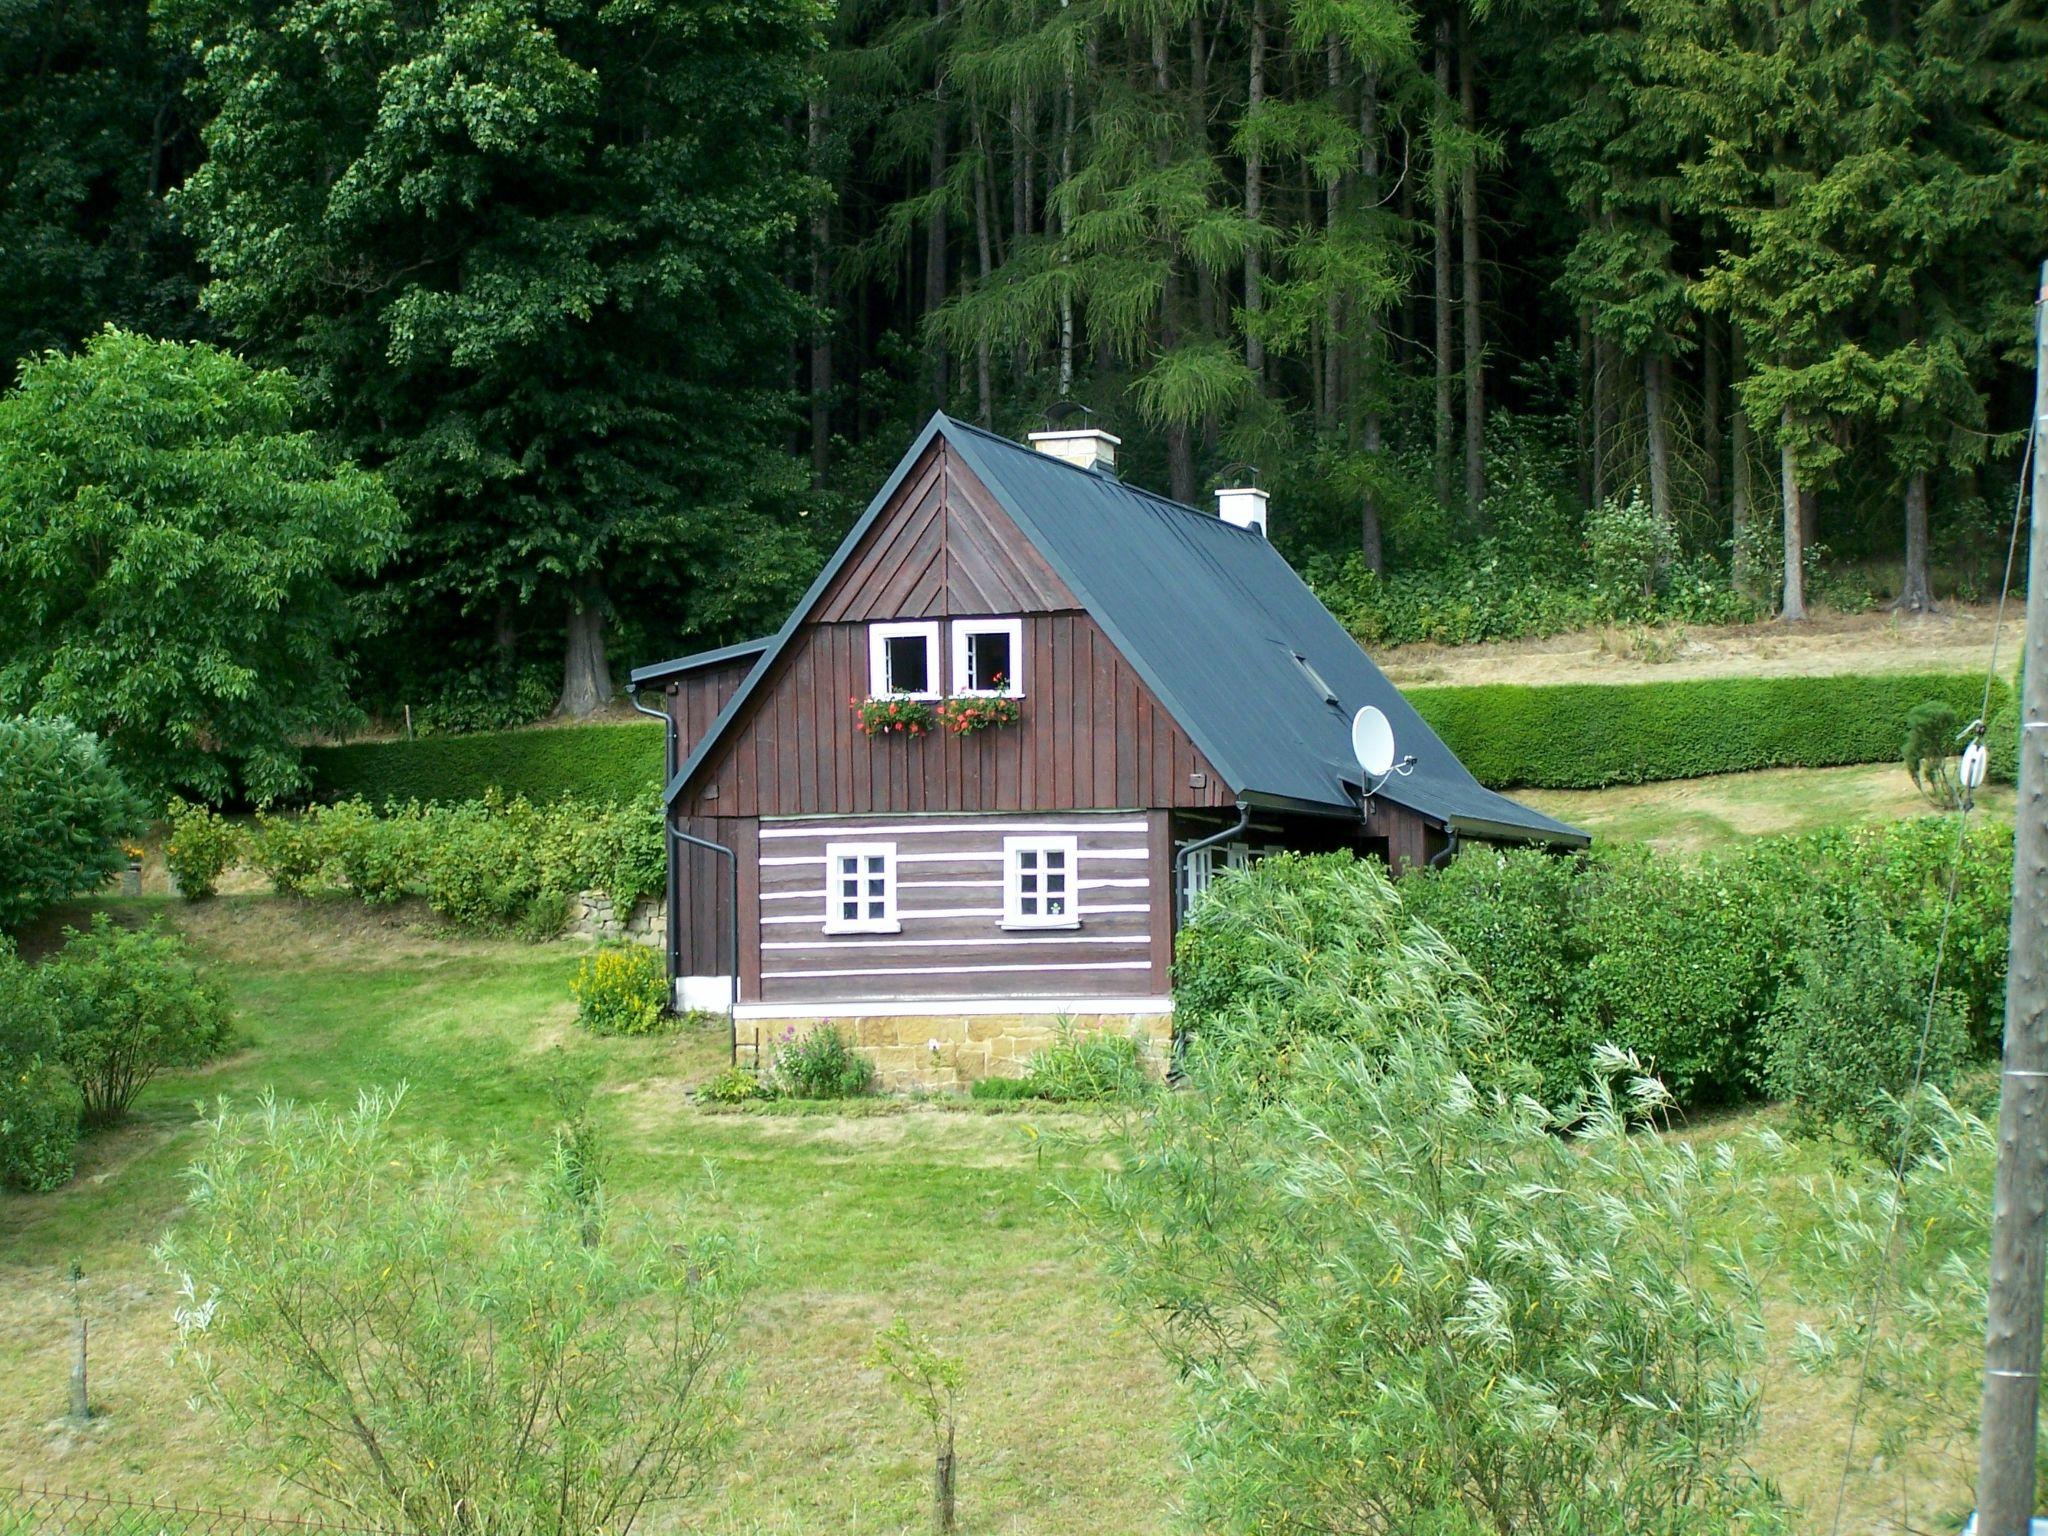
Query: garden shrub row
<point x="591" y="762"/>
<point x="1590" y="735"/>
<point x="1561" y="736"/>
<point x="64" y="811"/>
<point x="85" y="1031"/>
<point x="490" y="863"/>
<point x="1793" y="967"/>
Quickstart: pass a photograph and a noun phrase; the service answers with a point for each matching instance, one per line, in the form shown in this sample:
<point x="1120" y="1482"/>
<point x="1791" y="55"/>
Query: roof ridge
<point x="1167" y="502"/>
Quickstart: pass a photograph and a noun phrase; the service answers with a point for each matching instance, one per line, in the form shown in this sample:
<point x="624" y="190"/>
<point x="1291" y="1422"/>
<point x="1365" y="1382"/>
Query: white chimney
<point x="1243" y="506"/>
<point x="1087" y="447"/>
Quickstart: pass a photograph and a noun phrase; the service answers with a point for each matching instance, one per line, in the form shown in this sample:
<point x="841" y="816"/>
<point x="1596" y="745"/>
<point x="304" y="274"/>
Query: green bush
<point x="63" y="814"/>
<point x="1628" y="546"/>
<point x="1590" y="735"/>
<point x="591" y="762"/>
<point x="821" y="1064"/>
<point x="2002" y="736"/>
<point x="622" y="990"/>
<point x="202" y="847"/>
<point x="1845" y="1040"/>
<point x="128" y="1004"/>
<point x="40" y="1107"/>
<point x="1001" y="1090"/>
<point x="290" y="851"/>
<point x="1086" y="1067"/>
<point x="736" y="1085"/>
<point x="1930" y="750"/>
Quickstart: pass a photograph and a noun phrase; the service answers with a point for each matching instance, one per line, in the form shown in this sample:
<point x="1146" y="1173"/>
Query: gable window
<point x="860" y="888"/>
<point x="903" y="659"/>
<point x="988" y="657"/>
<point x="1038" y="883"/>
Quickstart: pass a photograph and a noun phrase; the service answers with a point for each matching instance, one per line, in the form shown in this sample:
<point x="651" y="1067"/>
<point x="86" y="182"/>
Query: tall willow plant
<point x="1406" y="1301"/>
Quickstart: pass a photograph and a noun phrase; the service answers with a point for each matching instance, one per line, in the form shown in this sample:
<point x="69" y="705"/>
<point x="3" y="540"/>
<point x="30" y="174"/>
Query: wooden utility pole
<point x="2019" y="1201"/>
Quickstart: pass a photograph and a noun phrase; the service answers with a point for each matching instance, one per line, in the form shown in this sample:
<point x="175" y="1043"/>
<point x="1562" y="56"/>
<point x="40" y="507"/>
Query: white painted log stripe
<point x="813" y="895"/>
<point x="913" y="829"/>
<point x="910" y="914"/>
<point x="959" y="858"/>
<point x="957" y="970"/>
<point x="982" y="943"/>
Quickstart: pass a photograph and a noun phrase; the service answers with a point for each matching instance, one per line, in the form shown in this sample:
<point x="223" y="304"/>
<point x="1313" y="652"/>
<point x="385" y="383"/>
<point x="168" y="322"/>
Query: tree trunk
<point x="1475" y="337"/>
<point x="1371" y="537"/>
<point x="1066" y="297"/>
<point x="1440" y="211"/>
<point x="1916" y="595"/>
<point x="1792" y="608"/>
<point x="821" y="304"/>
<point x="1603" y="415"/>
<point x="505" y="639"/>
<point x="1656" y="422"/>
<point x="984" y="389"/>
<point x="1742" y="500"/>
<point x="1582" y="418"/>
<point x="1254" y="194"/>
<point x="935" y="225"/>
<point x="586" y="675"/>
<point x="1710" y="408"/>
<point x="942" y="1486"/>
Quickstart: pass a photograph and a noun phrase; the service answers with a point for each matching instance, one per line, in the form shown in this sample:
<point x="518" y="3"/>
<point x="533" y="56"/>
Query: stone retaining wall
<point x="939" y="1052"/>
<point x="591" y="917"/>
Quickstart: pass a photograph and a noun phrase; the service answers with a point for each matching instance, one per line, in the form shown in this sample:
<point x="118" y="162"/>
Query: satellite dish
<point x="1372" y="741"/>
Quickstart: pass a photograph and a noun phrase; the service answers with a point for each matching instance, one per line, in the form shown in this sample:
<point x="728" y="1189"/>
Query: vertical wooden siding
<point x="700" y="882"/>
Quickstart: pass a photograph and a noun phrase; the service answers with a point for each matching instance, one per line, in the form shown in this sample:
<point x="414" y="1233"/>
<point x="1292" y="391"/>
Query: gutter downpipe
<point x="1445" y="854"/>
<point x="674" y="925"/>
<point x="1184" y="853"/>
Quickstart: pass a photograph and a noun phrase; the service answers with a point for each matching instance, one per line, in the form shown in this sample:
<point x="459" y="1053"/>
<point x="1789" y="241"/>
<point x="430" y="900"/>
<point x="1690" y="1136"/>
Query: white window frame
<point x="887" y="922"/>
<point x="1014" y="915"/>
<point x="963" y="630"/>
<point x="1204" y="865"/>
<point x="879" y="636"/>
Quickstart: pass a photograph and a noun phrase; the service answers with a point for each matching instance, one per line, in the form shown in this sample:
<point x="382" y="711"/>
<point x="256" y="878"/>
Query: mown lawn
<point x="937" y="1215"/>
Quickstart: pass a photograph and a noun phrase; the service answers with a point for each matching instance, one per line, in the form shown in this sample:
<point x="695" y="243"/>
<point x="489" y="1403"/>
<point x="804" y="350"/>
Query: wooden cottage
<point x="1100" y="696"/>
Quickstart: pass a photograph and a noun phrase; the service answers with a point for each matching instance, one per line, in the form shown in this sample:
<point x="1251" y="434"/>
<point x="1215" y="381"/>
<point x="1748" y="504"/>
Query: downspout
<point x="1445" y="854"/>
<point x="1182" y="855"/>
<point x="677" y="835"/>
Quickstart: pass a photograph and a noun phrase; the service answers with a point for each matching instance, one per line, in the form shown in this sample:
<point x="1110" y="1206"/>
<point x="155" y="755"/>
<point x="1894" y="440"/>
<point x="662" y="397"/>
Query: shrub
<point x="1590" y="735"/>
<point x="40" y="1107"/>
<point x="202" y="847"/>
<point x="736" y="1085"/>
<point x="63" y="814"/>
<point x="821" y="1064"/>
<point x="1845" y="1037"/>
<point x="1628" y="546"/>
<point x="373" y="856"/>
<point x="128" y="1005"/>
<point x="597" y="763"/>
<point x="484" y="700"/>
<point x="1086" y="1067"/>
<point x="621" y="990"/>
<point x="290" y="852"/>
<point x="2002" y="736"/>
<point x="1930" y="744"/>
<point x="1001" y="1090"/>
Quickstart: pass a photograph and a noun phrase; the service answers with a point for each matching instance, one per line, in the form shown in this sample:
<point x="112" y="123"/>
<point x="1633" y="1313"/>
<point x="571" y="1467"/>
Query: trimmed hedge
<point x="1590" y="735"/>
<point x="591" y="762"/>
<point x="1555" y="736"/>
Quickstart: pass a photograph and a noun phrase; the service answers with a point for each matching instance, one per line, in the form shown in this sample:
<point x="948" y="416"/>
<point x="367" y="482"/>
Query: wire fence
<point x="54" y="1512"/>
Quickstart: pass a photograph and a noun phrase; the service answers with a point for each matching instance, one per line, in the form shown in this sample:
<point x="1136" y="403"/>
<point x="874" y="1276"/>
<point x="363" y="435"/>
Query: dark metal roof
<point x="1213" y="619"/>
<point x="658" y="670"/>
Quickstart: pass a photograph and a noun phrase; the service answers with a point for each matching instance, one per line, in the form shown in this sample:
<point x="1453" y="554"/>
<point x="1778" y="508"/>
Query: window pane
<point x="1027" y="858"/>
<point x="988" y="660"/>
<point x="874" y="887"/>
<point x="1055" y="906"/>
<point x="850" y="910"/>
<point x="909" y="664"/>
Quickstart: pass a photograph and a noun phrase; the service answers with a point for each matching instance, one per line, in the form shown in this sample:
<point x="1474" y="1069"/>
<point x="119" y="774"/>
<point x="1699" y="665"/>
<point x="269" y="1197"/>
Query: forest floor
<point x="1957" y="638"/>
<point x="862" y="1213"/>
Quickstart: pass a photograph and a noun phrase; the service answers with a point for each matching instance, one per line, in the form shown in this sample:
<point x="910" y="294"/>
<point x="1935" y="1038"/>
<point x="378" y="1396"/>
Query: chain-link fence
<point x="52" y="1512"/>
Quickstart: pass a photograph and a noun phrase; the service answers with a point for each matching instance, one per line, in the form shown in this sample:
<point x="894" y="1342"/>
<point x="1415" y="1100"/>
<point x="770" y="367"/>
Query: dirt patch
<point x="1956" y="639"/>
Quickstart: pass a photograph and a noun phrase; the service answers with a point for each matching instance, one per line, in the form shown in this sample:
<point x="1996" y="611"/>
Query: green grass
<point x="934" y="1215"/>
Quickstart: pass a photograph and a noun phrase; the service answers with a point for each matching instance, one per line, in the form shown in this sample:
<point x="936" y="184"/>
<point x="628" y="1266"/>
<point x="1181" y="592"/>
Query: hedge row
<point x="1590" y="735"/>
<point x="592" y="762"/>
<point x="1563" y="736"/>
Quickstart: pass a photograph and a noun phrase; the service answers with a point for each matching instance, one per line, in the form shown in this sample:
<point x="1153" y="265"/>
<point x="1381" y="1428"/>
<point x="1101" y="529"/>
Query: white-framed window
<point x="904" y="659"/>
<point x="860" y="888"/>
<point x="988" y="657"/>
<point x="1205" y="863"/>
<point x="1038" y="883"/>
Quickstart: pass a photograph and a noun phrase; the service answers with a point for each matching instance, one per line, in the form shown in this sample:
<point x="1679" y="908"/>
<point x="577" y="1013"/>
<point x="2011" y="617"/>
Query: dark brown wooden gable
<point x="1092" y="735"/>
<point x="942" y="547"/>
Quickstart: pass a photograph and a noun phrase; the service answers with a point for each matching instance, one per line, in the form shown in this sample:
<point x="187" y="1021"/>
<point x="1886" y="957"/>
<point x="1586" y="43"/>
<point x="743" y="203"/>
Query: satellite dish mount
<point x="1372" y="743"/>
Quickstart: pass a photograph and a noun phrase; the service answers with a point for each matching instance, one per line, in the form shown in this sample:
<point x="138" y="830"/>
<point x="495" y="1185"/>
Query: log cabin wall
<point x="951" y="944"/>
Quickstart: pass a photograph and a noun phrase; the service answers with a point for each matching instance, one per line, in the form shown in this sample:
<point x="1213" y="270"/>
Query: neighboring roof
<point x="1212" y="619"/>
<point x="659" y="670"/>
